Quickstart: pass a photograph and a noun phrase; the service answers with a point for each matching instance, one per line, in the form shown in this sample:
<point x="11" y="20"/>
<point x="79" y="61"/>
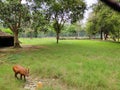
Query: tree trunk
<point x="105" y="36"/>
<point x="78" y="34"/>
<point x="114" y="39"/>
<point x="35" y="34"/>
<point x="118" y="36"/>
<point x="57" y="37"/>
<point x="101" y="35"/>
<point x="16" y="41"/>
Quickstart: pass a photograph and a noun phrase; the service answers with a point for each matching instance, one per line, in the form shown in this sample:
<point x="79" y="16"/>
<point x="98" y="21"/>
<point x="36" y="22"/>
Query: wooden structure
<point x="6" y="39"/>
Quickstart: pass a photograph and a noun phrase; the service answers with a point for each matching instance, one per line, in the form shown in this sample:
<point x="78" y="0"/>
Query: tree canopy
<point x="104" y="21"/>
<point x="64" y="11"/>
<point x="13" y="14"/>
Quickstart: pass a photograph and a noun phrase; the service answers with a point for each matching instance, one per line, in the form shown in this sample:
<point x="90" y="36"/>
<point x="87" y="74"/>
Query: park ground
<point x="72" y="64"/>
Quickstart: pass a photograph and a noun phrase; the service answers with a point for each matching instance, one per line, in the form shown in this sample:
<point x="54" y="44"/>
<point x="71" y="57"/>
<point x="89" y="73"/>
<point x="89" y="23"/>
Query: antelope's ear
<point x="28" y="69"/>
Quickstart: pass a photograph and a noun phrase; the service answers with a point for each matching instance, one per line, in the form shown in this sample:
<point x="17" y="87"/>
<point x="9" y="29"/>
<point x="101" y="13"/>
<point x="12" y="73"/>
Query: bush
<point x="6" y="30"/>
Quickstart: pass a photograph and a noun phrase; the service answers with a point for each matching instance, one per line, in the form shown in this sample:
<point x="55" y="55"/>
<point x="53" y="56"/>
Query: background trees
<point x="43" y="15"/>
<point x="40" y="20"/>
<point x="66" y="11"/>
<point x="104" y="21"/>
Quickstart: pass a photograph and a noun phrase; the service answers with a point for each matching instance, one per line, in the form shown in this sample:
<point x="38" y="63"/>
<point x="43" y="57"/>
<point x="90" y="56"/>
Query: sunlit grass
<point x="77" y="64"/>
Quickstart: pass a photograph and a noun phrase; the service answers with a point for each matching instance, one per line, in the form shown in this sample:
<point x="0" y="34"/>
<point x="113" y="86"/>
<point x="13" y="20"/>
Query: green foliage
<point x="63" y="11"/>
<point x="105" y="21"/>
<point x="72" y="29"/>
<point x="11" y="12"/>
<point x="39" y="22"/>
<point x="7" y="30"/>
<point x="91" y="26"/>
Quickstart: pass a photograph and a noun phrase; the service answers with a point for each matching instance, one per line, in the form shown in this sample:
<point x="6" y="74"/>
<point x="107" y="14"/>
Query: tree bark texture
<point x="101" y="35"/>
<point x="57" y="37"/>
<point x="16" y="41"/>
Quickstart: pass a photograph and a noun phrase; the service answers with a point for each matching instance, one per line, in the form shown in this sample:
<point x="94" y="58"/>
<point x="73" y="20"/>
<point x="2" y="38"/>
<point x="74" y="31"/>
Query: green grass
<point x="76" y="64"/>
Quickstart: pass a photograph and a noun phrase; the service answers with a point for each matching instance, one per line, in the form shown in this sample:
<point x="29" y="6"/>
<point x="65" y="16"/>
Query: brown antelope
<point x="20" y="70"/>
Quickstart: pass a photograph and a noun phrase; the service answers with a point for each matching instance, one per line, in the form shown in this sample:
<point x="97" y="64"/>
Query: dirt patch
<point x="32" y="84"/>
<point x="24" y="48"/>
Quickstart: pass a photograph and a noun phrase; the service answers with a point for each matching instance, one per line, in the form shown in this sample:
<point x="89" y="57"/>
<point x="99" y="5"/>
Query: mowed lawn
<point x="73" y="64"/>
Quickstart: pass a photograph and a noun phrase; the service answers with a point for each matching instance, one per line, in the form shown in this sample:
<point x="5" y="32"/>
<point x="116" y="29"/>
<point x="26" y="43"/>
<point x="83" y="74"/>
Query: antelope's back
<point x="19" y="69"/>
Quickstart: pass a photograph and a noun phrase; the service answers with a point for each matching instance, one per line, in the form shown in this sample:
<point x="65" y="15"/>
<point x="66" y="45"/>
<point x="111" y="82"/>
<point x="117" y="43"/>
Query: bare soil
<point x="24" y="48"/>
<point x="31" y="83"/>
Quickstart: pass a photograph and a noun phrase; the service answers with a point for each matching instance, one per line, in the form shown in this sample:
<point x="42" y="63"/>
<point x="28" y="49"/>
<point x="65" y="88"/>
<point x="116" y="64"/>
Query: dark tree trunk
<point x="118" y="35"/>
<point x="35" y="33"/>
<point x="57" y="37"/>
<point x="114" y="39"/>
<point x="101" y="35"/>
<point x="105" y="36"/>
<point x="16" y="41"/>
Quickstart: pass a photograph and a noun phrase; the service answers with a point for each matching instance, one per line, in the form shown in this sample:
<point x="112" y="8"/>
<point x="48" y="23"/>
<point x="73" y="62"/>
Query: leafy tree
<point x="61" y="11"/>
<point x="91" y="26"/>
<point x="73" y="29"/>
<point x="108" y="20"/>
<point x="39" y="22"/>
<point x="115" y="32"/>
<point x="78" y="28"/>
<point x="13" y="14"/>
<point x="105" y="21"/>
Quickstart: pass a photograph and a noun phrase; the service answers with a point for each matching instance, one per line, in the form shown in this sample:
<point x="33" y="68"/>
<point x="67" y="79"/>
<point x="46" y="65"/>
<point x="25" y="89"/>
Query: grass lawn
<point x="74" y="64"/>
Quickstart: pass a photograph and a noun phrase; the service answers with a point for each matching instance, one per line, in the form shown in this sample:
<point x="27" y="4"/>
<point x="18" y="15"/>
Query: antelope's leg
<point x="21" y="76"/>
<point x="24" y="78"/>
<point x="16" y="75"/>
